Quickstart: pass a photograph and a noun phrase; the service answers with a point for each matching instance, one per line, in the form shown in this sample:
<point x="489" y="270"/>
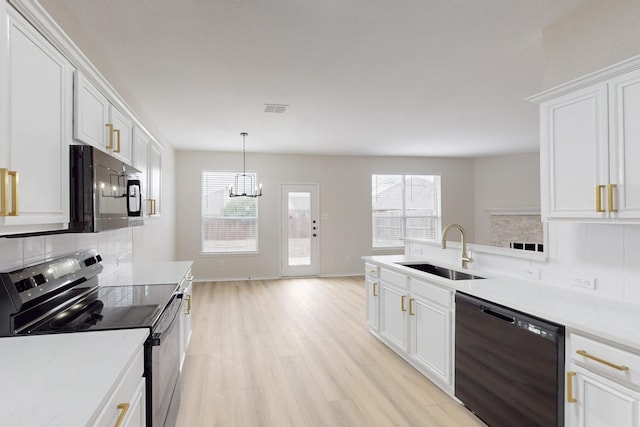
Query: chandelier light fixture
<point x="245" y="185"/>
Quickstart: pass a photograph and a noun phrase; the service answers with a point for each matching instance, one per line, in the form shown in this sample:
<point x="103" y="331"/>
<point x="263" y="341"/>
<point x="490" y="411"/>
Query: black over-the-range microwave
<point x="105" y="192"/>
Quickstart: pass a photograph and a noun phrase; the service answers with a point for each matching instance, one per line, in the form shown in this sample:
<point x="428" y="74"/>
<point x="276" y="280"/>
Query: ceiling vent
<point x="275" y="108"/>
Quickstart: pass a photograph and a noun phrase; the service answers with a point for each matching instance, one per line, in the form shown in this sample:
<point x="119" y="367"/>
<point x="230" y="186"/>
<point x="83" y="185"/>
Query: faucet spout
<point x="465" y="256"/>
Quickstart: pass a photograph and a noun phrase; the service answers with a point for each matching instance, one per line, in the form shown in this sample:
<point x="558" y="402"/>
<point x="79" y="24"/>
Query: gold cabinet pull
<point x="110" y="146"/>
<point x="570" y="398"/>
<point x="604" y="362"/>
<point x="124" y="407"/>
<point x="152" y="210"/>
<point x="188" y="298"/>
<point x="189" y="278"/>
<point x="599" y="189"/>
<point x="375" y="289"/>
<point x="403" y="298"/>
<point x="411" y="301"/>
<point x="610" y="206"/>
<point x="370" y="270"/>
<point x="4" y="188"/>
<point x="117" y="132"/>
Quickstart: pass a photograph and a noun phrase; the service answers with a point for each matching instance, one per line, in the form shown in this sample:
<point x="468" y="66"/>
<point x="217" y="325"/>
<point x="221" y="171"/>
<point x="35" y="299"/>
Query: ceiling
<point x="360" y="77"/>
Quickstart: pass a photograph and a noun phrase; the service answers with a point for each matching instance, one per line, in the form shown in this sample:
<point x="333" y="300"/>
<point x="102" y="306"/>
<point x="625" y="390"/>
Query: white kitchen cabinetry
<point x="154" y="180"/>
<point x="602" y="384"/>
<point x="186" y="317"/>
<point x="416" y="320"/>
<point x="372" y="291"/>
<point x="589" y="147"/>
<point x="126" y="406"/>
<point x="35" y="129"/>
<point x="99" y="123"/>
<point x="430" y="326"/>
<point x="141" y="147"/>
<point x="393" y="308"/>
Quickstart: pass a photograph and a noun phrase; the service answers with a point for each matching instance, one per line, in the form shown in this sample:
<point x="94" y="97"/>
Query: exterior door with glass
<point x="300" y="230"/>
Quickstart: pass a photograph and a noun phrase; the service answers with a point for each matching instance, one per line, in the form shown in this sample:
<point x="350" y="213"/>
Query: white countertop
<point x="62" y="379"/>
<point x="601" y="317"/>
<point x="148" y="273"/>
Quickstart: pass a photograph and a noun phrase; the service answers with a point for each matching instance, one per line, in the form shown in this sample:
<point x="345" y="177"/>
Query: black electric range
<point x="63" y="295"/>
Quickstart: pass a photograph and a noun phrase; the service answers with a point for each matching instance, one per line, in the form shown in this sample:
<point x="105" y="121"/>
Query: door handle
<point x="4" y="184"/>
<point x="610" y="189"/>
<point x="110" y="146"/>
<point x="570" y="398"/>
<point x="599" y="189"/>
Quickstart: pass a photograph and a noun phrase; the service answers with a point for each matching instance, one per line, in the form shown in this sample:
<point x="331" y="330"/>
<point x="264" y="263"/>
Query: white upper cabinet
<point x="154" y="180"/>
<point x="99" y="123"/>
<point x="35" y="122"/>
<point x="590" y="140"/>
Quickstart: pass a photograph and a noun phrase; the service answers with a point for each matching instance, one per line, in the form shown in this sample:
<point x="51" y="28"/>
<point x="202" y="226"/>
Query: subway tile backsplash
<point x="115" y="247"/>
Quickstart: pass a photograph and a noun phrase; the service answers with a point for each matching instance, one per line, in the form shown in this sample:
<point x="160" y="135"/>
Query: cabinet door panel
<point x="39" y="127"/>
<point x="91" y="114"/>
<point x="123" y="140"/>
<point x="372" y="289"/>
<point x="431" y="334"/>
<point x="574" y="153"/>
<point x="625" y="144"/>
<point x="601" y="402"/>
<point x="393" y="325"/>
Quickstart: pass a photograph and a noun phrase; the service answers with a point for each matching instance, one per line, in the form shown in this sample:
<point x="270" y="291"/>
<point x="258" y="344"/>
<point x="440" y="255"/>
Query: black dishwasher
<point x="509" y="366"/>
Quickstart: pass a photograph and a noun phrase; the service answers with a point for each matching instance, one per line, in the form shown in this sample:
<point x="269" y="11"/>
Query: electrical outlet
<point x="583" y="281"/>
<point x="531" y="273"/>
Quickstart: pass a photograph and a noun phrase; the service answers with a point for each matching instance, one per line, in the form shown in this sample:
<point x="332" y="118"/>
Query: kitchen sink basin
<point x="447" y="273"/>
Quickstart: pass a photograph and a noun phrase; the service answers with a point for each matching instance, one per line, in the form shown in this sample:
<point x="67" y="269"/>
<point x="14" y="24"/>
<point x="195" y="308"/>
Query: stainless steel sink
<point x="447" y="273"/>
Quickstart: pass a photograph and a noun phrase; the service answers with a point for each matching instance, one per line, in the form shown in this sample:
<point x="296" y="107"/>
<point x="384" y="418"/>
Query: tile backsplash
<point x="115" y="247"/>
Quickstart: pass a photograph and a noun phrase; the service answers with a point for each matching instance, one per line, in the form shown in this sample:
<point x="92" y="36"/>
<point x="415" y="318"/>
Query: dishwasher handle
<point x="490" y="312"/>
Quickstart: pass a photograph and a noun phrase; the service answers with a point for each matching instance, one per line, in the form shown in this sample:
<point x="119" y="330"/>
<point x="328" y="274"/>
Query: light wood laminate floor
<point x="298" y="352"/>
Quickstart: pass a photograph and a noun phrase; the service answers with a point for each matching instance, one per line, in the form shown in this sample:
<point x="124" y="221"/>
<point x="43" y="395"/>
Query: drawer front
<point x="124" y="393"/>
<point x="605" y="358"/>
<point x="394" y="278"/>
<point x="443" y="297"/>
<point x="371" y="270"/>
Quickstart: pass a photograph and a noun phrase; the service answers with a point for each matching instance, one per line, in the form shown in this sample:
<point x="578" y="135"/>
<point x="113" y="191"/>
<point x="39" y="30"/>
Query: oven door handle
<point x="167" y="320"/>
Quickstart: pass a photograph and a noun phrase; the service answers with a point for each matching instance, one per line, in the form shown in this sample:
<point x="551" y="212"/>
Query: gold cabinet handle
<point x="411" y="301"/>
<point x="117" y="132"/>
<point x="570" y="398"/>
<point x="188" y="298"/>
<point x="152" y="211"/>
<point x="604" y="362"/>
<point x="189" y="278"/>
<point x="375" y="289"/>
<point x="124" y="407"/>
<point x="403" y="298"/>
<point x="610" y="206"/>
<point x="110" y="146"/>
<point x="599" y="189"/>
<point x="370" y="270"/>
<point x="15" y="186"/>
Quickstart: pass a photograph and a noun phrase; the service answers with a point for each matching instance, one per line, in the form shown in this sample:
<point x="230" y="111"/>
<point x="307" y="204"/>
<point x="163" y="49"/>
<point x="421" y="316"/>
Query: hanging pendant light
<point x="245" y="185"/>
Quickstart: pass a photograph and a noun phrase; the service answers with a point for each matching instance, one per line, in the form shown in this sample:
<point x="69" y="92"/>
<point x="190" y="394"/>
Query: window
<point x="229" y="224"/>
<point x="404" y="206"/>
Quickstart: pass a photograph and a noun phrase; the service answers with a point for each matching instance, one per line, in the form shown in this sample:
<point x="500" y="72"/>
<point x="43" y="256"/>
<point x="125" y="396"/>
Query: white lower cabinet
<point x="372" y="295"/>
<point x="126" y="406"/>
<point x="186" y="317"/>
<point x="602" y="384"/>
<point x="416" y="320"/>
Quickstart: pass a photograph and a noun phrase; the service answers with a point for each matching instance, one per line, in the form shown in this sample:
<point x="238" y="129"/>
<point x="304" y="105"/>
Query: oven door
<point x="165" y="367"/>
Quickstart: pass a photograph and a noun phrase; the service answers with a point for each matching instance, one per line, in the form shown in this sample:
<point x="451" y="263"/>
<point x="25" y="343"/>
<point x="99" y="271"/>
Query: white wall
<point x="596" y="35"/>
<point x="345" y="205"/>
<point x="509" y="181"/>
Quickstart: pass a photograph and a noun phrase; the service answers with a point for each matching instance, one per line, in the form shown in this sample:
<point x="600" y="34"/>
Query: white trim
<point x="590" y="79"/>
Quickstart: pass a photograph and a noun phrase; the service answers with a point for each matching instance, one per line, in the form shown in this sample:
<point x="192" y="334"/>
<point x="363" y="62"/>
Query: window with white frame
<point x="229" y="224"/>
<point x="404" y="206"/>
